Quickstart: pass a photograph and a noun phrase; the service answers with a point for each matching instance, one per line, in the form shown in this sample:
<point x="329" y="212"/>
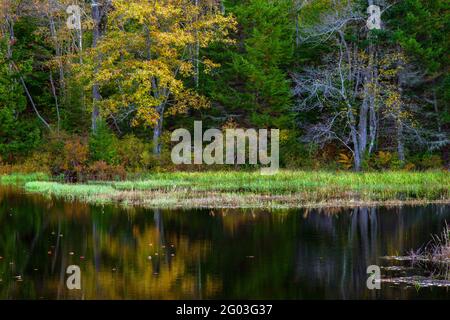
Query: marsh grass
<point x="437" y="250"/>
<point x="18" y="178"/>
<point x="384" y="184"/>
<point x="251" y="189"/>
<point x="434" y="257"/>
<point x="69" y="191"/>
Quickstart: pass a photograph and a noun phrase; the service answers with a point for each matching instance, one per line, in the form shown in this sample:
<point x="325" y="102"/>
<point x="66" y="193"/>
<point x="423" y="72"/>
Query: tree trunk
<point x="362" y="130"/>
<point x="357" y="161"/>
<point x="399" y="120"/>
<point x="373" y="128"/>
<point x="197" y="55"/>
<point x="367" y="117"/>
<point x="157" y="132"/>
<point x="96" y="34"/>
<point x="400" y="147"/>
<point x="297" y="5"/>
<point x="368" y="106"/>
<point x="373" y="122"/>
<point x="354" y="134"/>
<point x="57" y="45"/>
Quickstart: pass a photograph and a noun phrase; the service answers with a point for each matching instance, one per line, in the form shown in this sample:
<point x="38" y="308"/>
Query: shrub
<point x="62" y="155"/>
<point x="102" y="145"/>
<point x="75" y="156"/>
<point x="54" y="147"/>
<point x="345" y="161"/>
<point x="39" y="161"/>
<point x="146" y="158"/>
<point x="384" y="160"/>
<point x="426" y="161"/>
<point x="409" y="167"/>
<point x="294" y="155"/>
<point x="102" y="171"/>
<point x="431" y="161"/>
<point x="130" y="150"/>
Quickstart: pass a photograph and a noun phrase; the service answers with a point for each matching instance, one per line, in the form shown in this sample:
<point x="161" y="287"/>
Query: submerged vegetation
<point x="251" y="189"/>
<point x="437" y="251"/>
<point x="430" y="264"/>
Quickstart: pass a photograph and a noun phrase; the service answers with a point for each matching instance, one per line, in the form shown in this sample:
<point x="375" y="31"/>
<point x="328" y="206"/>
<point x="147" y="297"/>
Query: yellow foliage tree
<point x="144" y="58"/>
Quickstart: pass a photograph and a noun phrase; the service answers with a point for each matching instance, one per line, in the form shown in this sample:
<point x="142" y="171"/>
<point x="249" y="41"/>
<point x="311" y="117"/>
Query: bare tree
<point x="334" y="89"/>
<point x="360" y="91"/>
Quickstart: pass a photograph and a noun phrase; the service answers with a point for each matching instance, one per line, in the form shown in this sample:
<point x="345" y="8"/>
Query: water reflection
<point x="204" y="254"/>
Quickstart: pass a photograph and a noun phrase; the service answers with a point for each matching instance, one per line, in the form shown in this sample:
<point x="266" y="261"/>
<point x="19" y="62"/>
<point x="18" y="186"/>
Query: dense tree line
<point x="110" y="91"/>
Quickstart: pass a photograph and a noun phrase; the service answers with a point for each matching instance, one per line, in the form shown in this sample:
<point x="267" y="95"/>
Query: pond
<point x="137" y="253"/>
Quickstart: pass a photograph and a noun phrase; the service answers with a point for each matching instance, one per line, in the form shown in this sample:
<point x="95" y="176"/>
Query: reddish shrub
<point x="102" y="171"/>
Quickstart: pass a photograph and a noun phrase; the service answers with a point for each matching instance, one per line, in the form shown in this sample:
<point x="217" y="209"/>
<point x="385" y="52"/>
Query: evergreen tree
<point x="18" y="133"/>
<point x="252" y="83"/>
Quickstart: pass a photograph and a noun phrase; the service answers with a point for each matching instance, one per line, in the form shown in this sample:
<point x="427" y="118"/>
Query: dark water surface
<point x="205" y="254"/>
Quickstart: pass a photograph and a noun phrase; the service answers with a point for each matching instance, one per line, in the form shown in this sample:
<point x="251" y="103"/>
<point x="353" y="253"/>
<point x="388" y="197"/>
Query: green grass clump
<point x="377" y="185"/>
<point x="287" y="188"/>
<point x="68" y="191"/>
<point x="17" y="178"/>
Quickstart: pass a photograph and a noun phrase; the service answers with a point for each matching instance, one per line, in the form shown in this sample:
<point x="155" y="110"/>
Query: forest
<point x="98" y="97"/>
<point x="351" y="98"/>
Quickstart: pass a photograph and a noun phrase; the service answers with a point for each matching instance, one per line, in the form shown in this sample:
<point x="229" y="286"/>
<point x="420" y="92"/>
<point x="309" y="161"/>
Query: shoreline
<point x="233" y="201"/>
<point x="250" y="190"/>
<point x="187" y="199"/>
<point x="152" y="200"/>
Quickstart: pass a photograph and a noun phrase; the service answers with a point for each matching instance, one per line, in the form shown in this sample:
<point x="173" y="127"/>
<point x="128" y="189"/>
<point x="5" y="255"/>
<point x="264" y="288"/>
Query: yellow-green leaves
<point x="147" y="53"/>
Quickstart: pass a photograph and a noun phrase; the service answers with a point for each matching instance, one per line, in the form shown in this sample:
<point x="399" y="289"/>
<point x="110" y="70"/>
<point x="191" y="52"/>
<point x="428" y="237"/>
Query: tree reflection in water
<point x="136" y="253"/>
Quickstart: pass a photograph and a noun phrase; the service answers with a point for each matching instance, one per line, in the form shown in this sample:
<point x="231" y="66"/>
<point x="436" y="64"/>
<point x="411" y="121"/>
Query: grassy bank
<point x="23" y="178"/>
<point x="244" y="189"/>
